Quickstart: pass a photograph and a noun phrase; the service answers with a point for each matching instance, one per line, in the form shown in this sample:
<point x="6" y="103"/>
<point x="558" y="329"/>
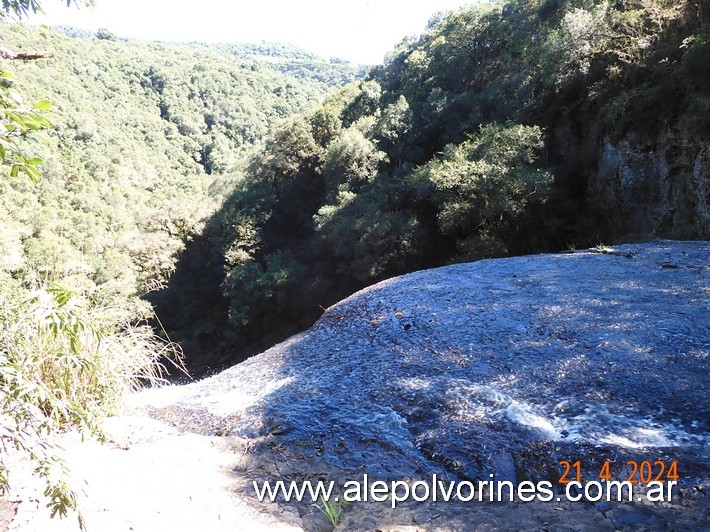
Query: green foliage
<point x="368" y="234"/>
<point x="581" y="36"/>
<point x="332" y="204"/>
<point x="332" y="510"/>
<point x="696" y="61"/>
<point x="21" y="126"/>
<point x="601" y="248"/>
<point x="144" y="147"/>
<point x="65" y="361"/>
<point x="142" y="150"/>
<point x="483" y="186"/>
<point x="476" y="139"/>
<point x="104" y="34"/>
<point x="351" y="161"/>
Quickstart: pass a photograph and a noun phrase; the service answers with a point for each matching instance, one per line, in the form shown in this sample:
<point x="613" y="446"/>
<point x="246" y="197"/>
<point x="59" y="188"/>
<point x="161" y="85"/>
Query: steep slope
<point x="149" y="137"/>
<point x="505" y="128"/>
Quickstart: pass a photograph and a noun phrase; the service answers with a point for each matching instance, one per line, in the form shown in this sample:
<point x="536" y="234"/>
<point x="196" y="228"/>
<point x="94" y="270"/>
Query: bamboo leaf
<point x="43" y="105"/>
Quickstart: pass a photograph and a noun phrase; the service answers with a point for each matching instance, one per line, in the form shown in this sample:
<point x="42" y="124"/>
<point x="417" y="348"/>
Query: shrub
<point x="66" y="360"/>
<point x="484" y="186"/>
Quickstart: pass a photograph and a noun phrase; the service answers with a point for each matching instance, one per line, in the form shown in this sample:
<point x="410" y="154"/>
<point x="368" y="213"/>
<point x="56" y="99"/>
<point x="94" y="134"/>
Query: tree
<point x="370" y="235"/>
<point x="351" y="161"/>
<point x="105" y="35"/>
<point x="483" y="186"/>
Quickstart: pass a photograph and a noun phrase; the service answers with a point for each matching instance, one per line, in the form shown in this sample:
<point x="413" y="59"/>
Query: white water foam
<point x="568" y="420"/>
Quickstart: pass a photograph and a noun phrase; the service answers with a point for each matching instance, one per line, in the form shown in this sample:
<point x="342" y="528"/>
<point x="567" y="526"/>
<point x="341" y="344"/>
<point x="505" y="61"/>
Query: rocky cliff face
<point x="654" y="187"/>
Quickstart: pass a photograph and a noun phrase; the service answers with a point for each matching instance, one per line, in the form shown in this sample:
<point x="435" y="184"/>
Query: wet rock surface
<point x="502" y="367"/>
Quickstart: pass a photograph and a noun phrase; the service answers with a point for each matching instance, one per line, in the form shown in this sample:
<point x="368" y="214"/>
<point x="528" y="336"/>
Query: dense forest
<point x="144" y="147"/>
<point x="115" y="152"/>
<point x="505" y="128"/>
<point x="221" y="196"/>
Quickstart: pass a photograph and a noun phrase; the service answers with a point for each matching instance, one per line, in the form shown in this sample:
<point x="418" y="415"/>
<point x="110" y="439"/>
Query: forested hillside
<point x="238" y="190"/>
<point x="506" y="127"/>
<point x="145" y="141"/>
<point x="148" y="138"/>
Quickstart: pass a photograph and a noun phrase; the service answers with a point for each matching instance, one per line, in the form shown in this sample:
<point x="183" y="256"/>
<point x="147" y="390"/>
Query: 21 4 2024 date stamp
<point x="636" y="472"/>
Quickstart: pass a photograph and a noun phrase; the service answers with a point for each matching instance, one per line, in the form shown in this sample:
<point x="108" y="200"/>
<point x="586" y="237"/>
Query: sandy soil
<point x="148" y="477"/>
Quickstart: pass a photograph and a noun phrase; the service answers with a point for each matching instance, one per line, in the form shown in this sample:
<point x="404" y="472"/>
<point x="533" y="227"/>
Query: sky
<point x="361" y="31"/>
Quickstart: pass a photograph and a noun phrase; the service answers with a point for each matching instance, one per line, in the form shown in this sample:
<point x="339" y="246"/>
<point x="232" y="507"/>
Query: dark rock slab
<point x="499" y="367"/>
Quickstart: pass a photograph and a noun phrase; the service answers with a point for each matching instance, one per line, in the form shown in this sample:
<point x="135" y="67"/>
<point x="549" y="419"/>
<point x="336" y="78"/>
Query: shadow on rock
<point x="500" y="369"/>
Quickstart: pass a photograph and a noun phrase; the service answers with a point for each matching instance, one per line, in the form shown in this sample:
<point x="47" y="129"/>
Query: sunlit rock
<point x="499" y="367"/>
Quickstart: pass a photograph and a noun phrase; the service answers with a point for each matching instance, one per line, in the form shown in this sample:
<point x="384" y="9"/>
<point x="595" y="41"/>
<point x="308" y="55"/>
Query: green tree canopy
<point x="481" y="137"/>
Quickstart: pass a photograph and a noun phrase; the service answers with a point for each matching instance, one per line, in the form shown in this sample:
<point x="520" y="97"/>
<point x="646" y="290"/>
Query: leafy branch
<point x="17" y="123"/>
<point x="20" y="125"/>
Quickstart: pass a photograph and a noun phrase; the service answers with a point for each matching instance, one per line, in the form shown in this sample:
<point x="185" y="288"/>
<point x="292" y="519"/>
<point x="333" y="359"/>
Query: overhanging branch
<point x="23" y="56"/>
